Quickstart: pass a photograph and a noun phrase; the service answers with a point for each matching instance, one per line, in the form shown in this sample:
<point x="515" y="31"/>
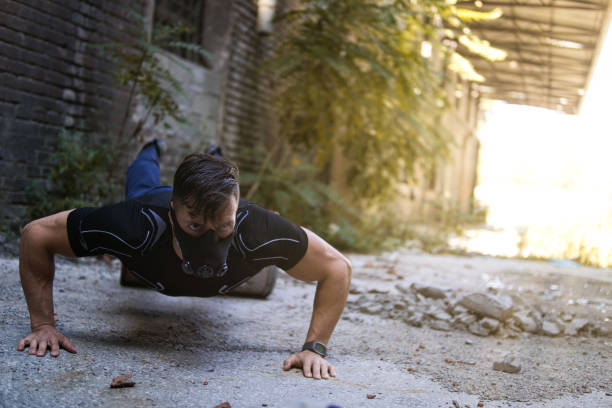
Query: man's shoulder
<point x="125" y="229"/>
<point x="159" y="200"/>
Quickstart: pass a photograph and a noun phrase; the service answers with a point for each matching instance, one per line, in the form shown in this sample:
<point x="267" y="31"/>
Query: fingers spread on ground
<point x="316" y="369"/>
<point x="308" y="368"/>
<point x="332" y="370"/>
<point x="42" y="348"/>
<point x="325" y="370"/>
<point x="54" y="348"/>
<point x="67" y="344"/>
<point x="22" y="343"/>
<point x="288" y="363"/>
<point x="33" y="345"/>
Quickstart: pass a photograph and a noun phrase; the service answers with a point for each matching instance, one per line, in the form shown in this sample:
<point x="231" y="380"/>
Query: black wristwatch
<point x="317" y="347"/>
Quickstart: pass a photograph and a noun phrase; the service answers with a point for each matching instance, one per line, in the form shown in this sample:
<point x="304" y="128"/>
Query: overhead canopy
<point x="552" y="47"/>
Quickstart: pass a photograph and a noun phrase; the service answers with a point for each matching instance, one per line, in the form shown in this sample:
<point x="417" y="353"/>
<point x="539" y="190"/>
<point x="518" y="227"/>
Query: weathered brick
<point x="9" y="6"/>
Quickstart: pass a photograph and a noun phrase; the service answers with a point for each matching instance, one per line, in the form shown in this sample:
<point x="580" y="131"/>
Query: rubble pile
<point x="481" y="313"/>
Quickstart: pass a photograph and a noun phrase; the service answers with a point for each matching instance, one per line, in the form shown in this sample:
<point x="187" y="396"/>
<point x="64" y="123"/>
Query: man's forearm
<point x="36" y="270"/>
<point x="329" y="302"/>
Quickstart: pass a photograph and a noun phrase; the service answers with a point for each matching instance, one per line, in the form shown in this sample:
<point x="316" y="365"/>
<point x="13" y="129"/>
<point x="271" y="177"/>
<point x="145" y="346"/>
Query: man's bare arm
<point x="332" y="271"/>
<point x="40" y="241"/>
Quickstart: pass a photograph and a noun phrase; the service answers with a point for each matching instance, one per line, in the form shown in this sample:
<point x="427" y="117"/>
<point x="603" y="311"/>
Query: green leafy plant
<point x="139" y="66"/>
<point x="77" y="178"/>
<point x="286" y="182"/>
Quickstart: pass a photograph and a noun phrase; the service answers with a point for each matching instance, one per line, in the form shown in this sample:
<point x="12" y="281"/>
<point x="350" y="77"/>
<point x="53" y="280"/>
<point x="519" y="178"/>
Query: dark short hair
<point x="205" y="183"/>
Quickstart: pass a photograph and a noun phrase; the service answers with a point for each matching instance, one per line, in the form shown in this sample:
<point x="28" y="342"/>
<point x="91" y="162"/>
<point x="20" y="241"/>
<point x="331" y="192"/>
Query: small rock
<point x="550" y="328"/>
<point x="415" y="320"/>
<point x="507" y="365"/>
<point x="205" y="383"/>
<point x="438" y="314"/>
<point x="497" y="307"/>
<point x="371" y="308"/>
<point x="223" y="405"/>
<point x="567" y="317"/>
<point x="469" y="342"/>
<point x="429" y="291"/>
<point x="456" y="404"/>
<point x="480" y="404"/>
<point x="526" y="322"/>
<point x="371" y="396"/>
<point x="490" y="324"/>
<point x="404" y="288"/>
<point x="440" y="325"/>
<point x="122" y="381"/>
<point x="576" y="326"/>
<point x="457" y="309"/>
<point x="464" y="318"/>
<point x="477" y="329"/>
<point x="379" y="291"/>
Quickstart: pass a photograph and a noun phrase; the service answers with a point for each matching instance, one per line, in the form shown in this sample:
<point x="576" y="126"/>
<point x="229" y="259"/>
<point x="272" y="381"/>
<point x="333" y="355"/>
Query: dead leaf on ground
<point x="371" y="396"/>
<point x="122" y="381"/>
<point x="223" y="405"/>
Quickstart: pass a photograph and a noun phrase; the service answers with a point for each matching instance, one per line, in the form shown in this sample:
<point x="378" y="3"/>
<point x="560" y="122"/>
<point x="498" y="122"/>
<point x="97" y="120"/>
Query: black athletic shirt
<point x="138" y="232"/>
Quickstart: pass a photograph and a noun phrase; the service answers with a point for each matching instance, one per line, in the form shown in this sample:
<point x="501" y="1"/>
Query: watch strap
<point x="316" y="347"/>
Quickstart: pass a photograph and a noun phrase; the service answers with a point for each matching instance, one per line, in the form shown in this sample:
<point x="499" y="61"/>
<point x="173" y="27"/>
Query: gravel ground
<point x="172" y="346"/>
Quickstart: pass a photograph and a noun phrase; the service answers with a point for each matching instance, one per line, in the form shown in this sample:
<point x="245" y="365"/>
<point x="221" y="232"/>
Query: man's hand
<point x="45" y="336"/>
<point x="312" y="364"/>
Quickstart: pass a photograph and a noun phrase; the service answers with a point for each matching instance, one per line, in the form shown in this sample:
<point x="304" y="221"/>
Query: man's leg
<point x="143" y="174"/>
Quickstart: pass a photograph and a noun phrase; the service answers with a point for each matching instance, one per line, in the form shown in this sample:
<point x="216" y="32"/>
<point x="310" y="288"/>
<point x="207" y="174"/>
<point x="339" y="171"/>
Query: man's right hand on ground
<point x="43" y="337"/>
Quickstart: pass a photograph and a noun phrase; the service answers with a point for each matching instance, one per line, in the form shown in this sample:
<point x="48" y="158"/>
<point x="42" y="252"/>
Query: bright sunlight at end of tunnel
<point x="546" y="178"/>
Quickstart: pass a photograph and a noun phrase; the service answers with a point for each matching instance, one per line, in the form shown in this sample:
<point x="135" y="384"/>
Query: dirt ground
<point x="237" y="344"/>
<point x="459" y="360"/>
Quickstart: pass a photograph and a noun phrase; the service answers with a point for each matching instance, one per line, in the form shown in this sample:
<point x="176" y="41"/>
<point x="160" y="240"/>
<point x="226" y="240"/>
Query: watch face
<point x="319" y="348"/>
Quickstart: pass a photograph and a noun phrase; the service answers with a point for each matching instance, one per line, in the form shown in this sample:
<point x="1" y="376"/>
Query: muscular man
<point x="194" y="239"/>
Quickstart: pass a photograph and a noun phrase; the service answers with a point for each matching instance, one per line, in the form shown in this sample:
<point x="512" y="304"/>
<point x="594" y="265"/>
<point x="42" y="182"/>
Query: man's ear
<point x="172" y="204"/>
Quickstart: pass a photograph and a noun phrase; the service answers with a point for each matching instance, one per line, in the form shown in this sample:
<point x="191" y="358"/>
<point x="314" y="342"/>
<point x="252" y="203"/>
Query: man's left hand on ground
<point x="312" y="364"/>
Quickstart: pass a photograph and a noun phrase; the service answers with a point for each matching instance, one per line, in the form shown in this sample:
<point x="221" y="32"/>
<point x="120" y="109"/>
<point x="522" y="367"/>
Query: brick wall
<point x="49" y="80"/>
<point x="246" y="119"/>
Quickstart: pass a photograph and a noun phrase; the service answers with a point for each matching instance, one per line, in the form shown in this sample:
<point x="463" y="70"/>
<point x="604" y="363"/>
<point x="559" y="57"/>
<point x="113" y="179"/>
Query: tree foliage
<point x="350" y="75"/>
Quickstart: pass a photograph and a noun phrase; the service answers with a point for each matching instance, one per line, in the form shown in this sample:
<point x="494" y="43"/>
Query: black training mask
<point x="205" y="256"/>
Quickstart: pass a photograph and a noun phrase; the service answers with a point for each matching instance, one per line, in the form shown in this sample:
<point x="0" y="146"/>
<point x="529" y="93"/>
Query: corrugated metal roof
<point x="552" y="48"/>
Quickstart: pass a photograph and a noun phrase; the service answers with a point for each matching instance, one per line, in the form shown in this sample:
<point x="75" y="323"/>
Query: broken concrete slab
<point x="507" y="365"/>
<point x="496" y="306"/>
<point x="526" y="322"/>
<point x="477" y="329"/>
<point x="428" y="291"/>
<point x="550" y="328"/>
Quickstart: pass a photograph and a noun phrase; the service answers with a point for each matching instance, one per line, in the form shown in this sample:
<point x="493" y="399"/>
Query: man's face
<point x="222" y="222"/>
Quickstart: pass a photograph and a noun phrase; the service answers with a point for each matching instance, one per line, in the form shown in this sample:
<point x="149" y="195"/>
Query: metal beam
<point x="522" y="19"/>
<point x="525" y="46"/>
<point x="583" y="6"/>
<point x="558" y="76"/>
<point x="538" y="33"/>
<point x="514" y="86"/>
<point x="529" y="62"/>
